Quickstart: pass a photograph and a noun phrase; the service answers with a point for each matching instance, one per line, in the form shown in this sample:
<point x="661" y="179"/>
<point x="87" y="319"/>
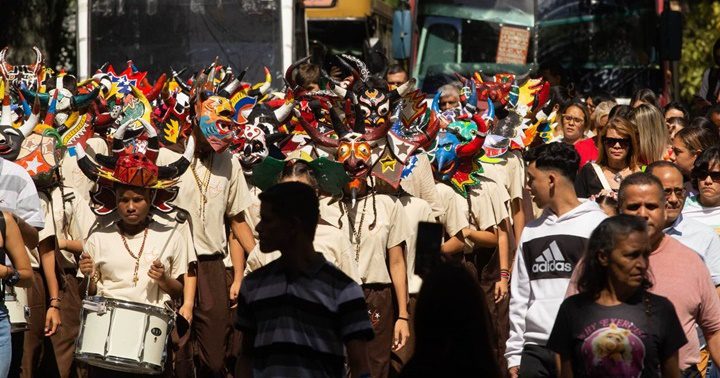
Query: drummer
<point x="141" y="257"/>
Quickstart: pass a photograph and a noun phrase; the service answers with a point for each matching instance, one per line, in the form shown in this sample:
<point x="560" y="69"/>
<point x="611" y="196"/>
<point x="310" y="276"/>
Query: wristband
<point x="401" y="318"/>
<point x="59" y="299"/>
<point x="13" y="278"/>
<point x="55" y="307"/>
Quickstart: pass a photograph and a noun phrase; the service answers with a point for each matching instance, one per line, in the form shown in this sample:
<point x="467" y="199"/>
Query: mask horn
<point x="157" y="88"/>
<point x="3" y="62"/>
<point x="290" y="70"/>
<point x="315" y="135"/>
<point x="471" y="148"/>
<point x="264" y="88"/>
<point x="153" y="145"/>
<point x="118" y="145"/>
<point x="403" y="89"/>
<point x="178" y="167"/>
<point x="83" y="100"/>
<point x="34" y="118"/>
<point x="283" y="111"/>
<point x="31" y="95"/>
<point x="88" y="167"/>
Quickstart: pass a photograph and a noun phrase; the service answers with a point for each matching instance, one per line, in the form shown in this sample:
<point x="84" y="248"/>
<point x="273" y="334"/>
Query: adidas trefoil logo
<point x="551" y="260"/>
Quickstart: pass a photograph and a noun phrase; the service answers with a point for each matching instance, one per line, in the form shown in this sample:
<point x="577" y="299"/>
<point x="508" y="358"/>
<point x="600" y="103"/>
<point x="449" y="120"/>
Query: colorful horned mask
<point x="455" y="158"/>
<point x="130" y="167"/>
<point x="214" y="118"/>
<point x="22" y="75"/>
<point x="253" y="140"/>
<point x="11" y="138"/>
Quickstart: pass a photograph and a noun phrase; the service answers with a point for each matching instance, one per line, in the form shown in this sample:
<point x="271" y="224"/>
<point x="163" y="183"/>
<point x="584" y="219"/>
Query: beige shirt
<point x="454" y="215"/>
<point x="60" y="220"/>
<point x="329" y="240"/>
<point x="391" y="229"/>
<point x="116" y="267"/>
<point x="489" y="204"/>
<point x="252" y="213"/>
<point x="73" y="176"/>
<point x="421" y="184"/>
<point x="418" y="210"/>
<point x="226" y="193"/>
<point x="510" y="172"/>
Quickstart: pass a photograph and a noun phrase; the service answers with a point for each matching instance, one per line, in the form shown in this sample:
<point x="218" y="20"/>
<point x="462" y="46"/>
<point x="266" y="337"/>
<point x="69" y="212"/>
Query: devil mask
<point x="11" y="139"/>
<point x="214" y="119"/>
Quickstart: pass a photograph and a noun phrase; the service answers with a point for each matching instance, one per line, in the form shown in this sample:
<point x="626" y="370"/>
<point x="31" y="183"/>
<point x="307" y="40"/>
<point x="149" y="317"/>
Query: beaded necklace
<point x="137" y="258"/>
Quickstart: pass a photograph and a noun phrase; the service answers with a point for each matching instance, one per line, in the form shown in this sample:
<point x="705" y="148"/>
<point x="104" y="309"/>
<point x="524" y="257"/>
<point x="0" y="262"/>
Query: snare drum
<point x="124" y="336"/>
<point x="18" y="311"/>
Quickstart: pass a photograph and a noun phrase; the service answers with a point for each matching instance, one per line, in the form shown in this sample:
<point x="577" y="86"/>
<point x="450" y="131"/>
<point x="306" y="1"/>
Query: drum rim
<point x="125" y="365"/>
<point x="143" y="307"/>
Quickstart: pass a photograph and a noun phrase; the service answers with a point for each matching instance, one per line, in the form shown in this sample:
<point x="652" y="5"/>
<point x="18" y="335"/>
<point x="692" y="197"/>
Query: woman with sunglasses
<point x="614" y="327"/>
<point x="574" y="123"/>
<point x="705" y="206"/>
<point x="617" y="159"/>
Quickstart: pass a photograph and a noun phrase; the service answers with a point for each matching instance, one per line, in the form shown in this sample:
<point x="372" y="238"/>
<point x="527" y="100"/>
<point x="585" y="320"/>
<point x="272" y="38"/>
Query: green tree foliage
<point x="701" y="29"/>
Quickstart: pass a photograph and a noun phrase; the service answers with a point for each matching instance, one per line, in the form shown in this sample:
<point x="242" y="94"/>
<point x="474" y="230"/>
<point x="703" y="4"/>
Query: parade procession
<point x="361" y="210"/>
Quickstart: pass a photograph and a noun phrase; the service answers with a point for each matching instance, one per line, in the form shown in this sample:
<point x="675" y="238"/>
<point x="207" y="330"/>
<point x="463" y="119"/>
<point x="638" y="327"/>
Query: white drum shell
<point x="18" y="311"/>
<point x="126" y="336"/>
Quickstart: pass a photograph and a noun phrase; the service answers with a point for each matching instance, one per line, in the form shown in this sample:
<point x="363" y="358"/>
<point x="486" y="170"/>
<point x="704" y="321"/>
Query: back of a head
<point x="293" y="200"/>
<point x="600" y="96"/>
<point x="646" y="96"/>
<point x="299" y="170"/>
<point x="557" y="156"/>
<point x="677" y="105"/>
<point x="698" y="137"/>
<point x="620" y="111"/>
<point x="451" y="323"/>
<point x="652" y="131"/>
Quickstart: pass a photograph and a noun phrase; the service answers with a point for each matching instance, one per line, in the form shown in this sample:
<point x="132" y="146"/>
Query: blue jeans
<point x="5" y="343"/>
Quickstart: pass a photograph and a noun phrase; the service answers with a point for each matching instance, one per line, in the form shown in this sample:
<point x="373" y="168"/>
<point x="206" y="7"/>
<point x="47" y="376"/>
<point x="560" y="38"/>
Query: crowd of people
<point x="202" y="226"/>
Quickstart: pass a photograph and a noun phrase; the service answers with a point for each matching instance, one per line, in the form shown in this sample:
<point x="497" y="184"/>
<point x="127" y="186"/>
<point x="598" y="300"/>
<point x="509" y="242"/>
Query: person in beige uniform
<point x="509" y="170"/>
<point x="136" y="259"/>
<point x="417" y="210"/>
<point x="378" y="228"/>
<point x="329" y="240"/>
<point x="213" y="190"/>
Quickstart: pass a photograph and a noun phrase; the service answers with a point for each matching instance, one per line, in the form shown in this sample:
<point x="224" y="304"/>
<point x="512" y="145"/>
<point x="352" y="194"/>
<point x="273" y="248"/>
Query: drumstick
<point x="181" y="217"/>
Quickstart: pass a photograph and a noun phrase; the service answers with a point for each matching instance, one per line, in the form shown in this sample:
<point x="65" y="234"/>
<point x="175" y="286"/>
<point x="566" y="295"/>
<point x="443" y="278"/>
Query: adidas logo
<point x="551" y="260"/>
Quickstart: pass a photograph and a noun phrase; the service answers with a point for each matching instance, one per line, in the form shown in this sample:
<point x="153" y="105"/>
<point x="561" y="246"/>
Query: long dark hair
<point x="604" y="239"/>
<point x="453" y="333"/>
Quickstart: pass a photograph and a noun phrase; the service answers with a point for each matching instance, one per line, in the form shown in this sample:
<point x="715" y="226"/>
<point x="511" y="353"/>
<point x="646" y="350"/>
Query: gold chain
<point x="357" y="234"/>
<point x="137" y="258"/>
<point x="202" y="185"/>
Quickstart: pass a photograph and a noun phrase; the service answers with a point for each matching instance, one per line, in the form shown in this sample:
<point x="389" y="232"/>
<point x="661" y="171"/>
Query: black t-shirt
<point x="628" y="340"/>
<point x="587" y="182"/>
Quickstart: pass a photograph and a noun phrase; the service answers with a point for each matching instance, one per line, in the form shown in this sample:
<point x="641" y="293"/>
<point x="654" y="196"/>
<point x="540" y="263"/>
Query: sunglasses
<point x="702" y="175"/>
<point x="611" y="142"/>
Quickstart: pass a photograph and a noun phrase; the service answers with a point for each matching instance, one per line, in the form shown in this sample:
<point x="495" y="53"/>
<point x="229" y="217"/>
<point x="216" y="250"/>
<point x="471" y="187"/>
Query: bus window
<point x="441" y="45"/>
<point x="479" y="41"/>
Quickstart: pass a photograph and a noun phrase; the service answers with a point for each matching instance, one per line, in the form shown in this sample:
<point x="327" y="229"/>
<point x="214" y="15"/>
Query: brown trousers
<point x="63" y="341"/>
<point x="33" y="346"/>
<point x="379" y="301"/>
<point x="402" y="356"/>
<point x="210" y="318"/>
<point x="234" y="336"/>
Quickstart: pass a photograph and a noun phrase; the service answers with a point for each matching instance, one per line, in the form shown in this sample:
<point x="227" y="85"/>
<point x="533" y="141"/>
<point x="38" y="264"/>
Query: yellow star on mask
<point x="388" y="163"/>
